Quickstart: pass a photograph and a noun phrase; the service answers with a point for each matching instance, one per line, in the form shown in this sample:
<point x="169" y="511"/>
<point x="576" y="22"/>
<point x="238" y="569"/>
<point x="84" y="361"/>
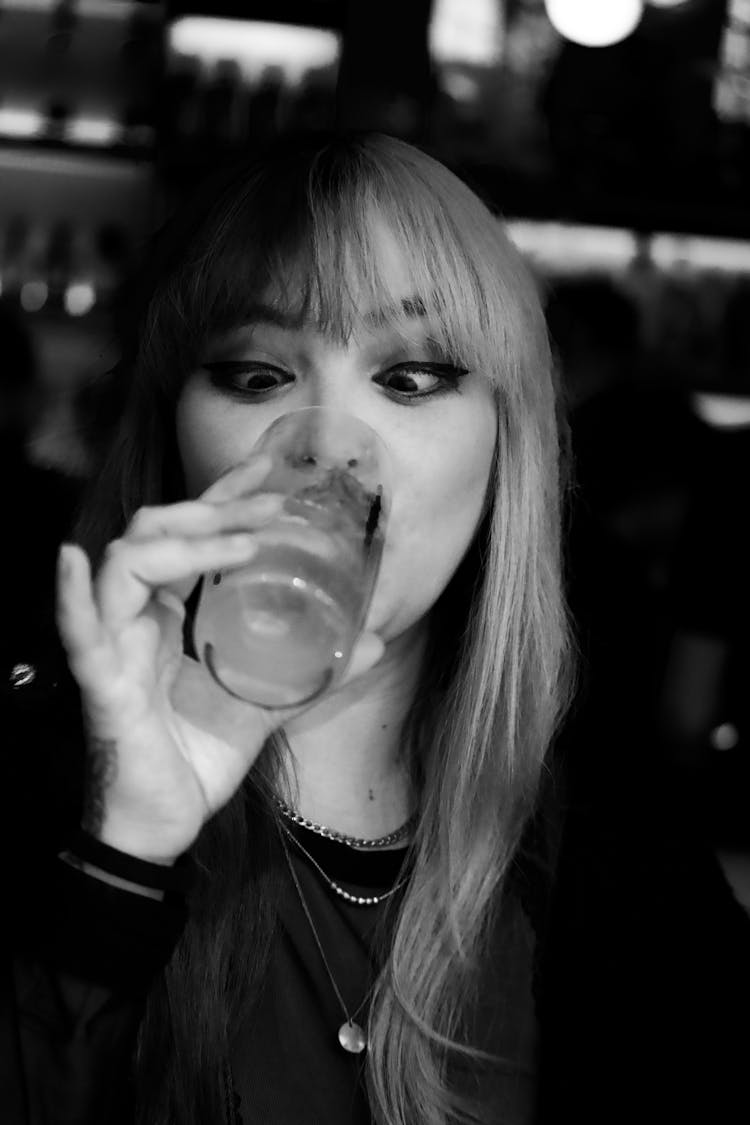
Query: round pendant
<point x="352" y="1037"/>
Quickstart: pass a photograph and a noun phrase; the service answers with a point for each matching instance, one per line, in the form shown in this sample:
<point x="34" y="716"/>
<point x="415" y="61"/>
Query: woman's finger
<point x="77" y="615"/>
<point x="196" y="518"/>
<point x="170" y="603"/>
<point x="130" y="571"/>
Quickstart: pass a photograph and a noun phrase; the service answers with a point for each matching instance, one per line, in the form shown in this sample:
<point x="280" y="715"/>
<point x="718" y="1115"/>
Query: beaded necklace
<point x="356" y="900"/>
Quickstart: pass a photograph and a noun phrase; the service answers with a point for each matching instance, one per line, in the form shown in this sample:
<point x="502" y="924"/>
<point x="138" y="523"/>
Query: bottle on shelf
<point x="223" y="105"/>
<point x="111" y="256"/>
<point x="59" y="260"/>
<point x="181" y="122"/>
<point x="33" y="289"/>
<point x="15" y="234"/>
<point x="264" y="105"/>
<point x="81" y="292"/>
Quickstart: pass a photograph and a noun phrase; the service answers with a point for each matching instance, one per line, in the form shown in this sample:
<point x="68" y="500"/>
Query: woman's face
<point x="439" y="424"/>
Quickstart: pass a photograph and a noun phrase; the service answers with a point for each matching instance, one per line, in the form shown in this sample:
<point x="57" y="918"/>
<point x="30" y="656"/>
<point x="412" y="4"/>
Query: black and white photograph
<point x="375" y="664"/>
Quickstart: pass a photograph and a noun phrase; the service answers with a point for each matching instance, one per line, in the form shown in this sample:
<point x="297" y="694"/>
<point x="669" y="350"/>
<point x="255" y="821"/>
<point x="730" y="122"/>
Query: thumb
<point x="367" y="652"/>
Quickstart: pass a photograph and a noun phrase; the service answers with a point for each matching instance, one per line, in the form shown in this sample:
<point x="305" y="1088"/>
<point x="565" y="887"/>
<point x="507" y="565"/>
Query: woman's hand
<point x="167" y="746"/>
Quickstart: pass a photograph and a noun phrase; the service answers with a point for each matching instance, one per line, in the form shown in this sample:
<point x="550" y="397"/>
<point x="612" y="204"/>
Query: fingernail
<point x="242" y="542"/>
<point x="170" y="601"/>
<point x="64" y="560"/>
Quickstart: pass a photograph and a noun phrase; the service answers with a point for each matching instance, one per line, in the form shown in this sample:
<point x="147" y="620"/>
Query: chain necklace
<point x="340" y="837"/>
<point x="351" y="1035"/>
<point x="356" y="900"/>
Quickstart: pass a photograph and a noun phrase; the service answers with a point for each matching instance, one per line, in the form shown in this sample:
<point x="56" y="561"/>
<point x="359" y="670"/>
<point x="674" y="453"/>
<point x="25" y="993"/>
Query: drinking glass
<point x="279" y="630"/>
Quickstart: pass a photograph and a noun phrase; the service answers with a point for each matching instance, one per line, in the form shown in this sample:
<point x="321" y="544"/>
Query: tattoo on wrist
<point x="101" y="770"/>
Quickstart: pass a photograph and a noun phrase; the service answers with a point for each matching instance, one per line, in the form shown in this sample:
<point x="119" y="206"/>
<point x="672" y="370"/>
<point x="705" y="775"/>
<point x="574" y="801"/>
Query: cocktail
<point x="280" y="630"/>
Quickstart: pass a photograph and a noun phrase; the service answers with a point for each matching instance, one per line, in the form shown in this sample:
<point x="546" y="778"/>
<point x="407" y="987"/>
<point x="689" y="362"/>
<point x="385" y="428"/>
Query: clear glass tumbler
<point x="279" y="631"/>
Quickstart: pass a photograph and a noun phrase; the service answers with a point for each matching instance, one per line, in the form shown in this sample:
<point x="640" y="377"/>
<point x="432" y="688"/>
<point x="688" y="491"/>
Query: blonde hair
<point x="497" y="677"/>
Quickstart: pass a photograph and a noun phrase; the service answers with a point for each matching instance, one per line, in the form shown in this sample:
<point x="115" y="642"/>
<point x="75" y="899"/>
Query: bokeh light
<point x="595" y="23"/>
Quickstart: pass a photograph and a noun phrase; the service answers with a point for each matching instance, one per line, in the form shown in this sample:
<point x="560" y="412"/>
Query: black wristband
<point x="177" y="879"/>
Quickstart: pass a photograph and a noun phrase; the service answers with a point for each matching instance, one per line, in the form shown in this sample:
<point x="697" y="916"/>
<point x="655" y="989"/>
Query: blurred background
<point x="614" y="137"/>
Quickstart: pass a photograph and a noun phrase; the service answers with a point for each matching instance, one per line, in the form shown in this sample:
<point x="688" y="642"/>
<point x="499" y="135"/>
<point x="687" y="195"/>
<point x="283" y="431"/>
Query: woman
<point x="362" y="274"/>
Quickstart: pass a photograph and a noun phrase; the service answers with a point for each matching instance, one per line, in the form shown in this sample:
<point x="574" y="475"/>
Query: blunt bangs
<point x="303" y="233"/>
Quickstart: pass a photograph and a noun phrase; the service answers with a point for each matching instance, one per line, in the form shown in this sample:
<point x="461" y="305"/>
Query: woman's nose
<point x="331" y="435"/>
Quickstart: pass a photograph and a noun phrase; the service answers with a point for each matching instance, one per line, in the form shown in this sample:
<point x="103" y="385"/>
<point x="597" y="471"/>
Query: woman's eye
<point x="406" y="382"/>
<point x="422" y="380"/>
<point x="245" y="378"/>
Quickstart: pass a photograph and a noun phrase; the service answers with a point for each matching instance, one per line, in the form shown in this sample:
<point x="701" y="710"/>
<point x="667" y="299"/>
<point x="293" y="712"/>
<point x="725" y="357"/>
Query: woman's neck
<point x="347" y="754"/>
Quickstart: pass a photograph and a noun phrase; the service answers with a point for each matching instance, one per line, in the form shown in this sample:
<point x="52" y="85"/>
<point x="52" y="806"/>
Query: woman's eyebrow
<point x="410" y="307"/>
<point x="260" y="313"/>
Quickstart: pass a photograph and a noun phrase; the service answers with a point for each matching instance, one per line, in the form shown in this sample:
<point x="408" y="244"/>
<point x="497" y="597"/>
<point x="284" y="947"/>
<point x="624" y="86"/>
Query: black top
<point x="287" y="1062"/>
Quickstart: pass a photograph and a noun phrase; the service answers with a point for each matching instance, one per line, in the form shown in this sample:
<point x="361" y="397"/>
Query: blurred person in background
<point x="521" y="954"/>
<point x="705" y="703"/>
<point x="619" y="539"/>
<point x="38" y="502"/>
<point x="632" y="431"/>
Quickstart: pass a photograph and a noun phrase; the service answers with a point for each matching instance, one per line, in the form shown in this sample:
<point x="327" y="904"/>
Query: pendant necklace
<point x="351" y="1035"/>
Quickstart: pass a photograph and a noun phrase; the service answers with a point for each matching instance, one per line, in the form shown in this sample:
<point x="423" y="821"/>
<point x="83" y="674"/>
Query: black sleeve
<point x="79" y="976"/>
<point x="77" y="956"/>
